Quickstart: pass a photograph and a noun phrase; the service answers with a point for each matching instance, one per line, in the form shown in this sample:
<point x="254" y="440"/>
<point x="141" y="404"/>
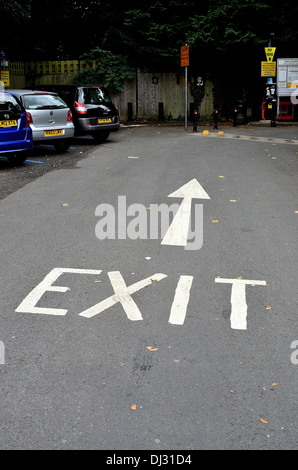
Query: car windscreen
<point x="10" y="103"/>
<point x="94" y="95"/>
<point x="43" y="101"/>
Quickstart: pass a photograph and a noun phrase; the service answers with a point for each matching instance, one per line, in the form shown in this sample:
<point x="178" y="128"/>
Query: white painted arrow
<point x="177" y="232"/>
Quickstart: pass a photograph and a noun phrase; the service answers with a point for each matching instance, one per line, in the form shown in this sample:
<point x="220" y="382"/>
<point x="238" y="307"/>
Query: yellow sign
<point x="5" y="77"/>
<point x="270" y="51"/>
<point x="268" y="69"/>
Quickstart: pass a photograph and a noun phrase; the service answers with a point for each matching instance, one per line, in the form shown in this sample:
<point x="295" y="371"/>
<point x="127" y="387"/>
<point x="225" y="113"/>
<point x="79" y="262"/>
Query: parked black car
<point x="92" y="109"/>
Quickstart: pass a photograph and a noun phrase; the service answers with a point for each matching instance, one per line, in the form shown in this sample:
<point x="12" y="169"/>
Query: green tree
<point x="153" y="32"/>
<point x="105" y="68"/>
<point x="14" y="15"/>
<point x="16" y="11"/>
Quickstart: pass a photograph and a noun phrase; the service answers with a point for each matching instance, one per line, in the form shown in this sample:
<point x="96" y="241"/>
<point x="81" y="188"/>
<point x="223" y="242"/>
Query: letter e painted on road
<point x="28" y="304"/>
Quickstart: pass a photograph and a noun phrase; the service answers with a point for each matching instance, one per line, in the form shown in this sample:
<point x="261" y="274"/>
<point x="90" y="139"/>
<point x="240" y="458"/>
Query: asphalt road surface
<point x="181" y="338"/>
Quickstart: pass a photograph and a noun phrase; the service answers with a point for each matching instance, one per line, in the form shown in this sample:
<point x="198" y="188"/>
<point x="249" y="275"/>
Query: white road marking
<point x="122" y="295"/>
<point x="2" y="353"/>
<point x="238" y="301"/>
<point x="181" y="299"/>
<point x="177" y="233"/>
<point x="28" y="304"/>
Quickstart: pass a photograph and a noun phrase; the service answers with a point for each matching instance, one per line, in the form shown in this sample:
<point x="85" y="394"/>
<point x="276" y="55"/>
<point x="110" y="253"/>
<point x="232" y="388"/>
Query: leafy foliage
<point x="106" y="69"/>
<point x="16" y="11"/>
<point x="14" y="16"/>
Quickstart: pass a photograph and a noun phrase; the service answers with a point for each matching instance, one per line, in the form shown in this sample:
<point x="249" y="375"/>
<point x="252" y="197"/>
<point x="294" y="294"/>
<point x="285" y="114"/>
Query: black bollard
<point x="215" y="117"/>
<point x="235" y="117"/>
<point x="161" y="115"/>
<point x="195" y="120"/>
<point x="129" y="112"/>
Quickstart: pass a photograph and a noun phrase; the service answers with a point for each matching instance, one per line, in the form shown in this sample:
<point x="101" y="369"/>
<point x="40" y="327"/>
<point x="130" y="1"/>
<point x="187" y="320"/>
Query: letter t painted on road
<point x="238" y="301"/>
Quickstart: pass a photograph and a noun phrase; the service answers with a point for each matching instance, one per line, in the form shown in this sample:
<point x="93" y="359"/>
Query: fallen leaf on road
<point x="64" y="205"/>
<point x="268" y="308"/>
<point x="151" y="348"/>
<point x="233" y="200"/>
<point x="221" y="176"/>
<point x="133" y="407"/>
<point x="263" y="421"/>
<point x="275" y="383"/>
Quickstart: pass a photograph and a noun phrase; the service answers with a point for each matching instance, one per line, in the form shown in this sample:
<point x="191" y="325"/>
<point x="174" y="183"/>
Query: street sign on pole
<point x="184" y="56"/>
<point x="268" y="69"/>
<point x="4" y="77"/>
<point x="185" y="63"/>
<point x="270" y="51"/>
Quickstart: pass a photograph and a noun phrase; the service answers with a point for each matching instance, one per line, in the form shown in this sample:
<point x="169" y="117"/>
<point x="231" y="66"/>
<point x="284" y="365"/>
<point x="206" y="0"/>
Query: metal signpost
<point x="185" y="63"/>
<point x="4" y="72"/>
<point x="268" y="69"/>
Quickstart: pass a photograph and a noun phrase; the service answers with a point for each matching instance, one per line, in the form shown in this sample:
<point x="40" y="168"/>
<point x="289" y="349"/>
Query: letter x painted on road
<point x="122" y="295"/>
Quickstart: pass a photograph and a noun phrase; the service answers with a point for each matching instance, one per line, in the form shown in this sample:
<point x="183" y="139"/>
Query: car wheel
<point x="62" y="146"/>
<point x="17" y="158"/>
<point x="100" y="136"/>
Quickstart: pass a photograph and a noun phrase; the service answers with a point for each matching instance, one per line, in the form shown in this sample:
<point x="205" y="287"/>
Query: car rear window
<point x="43" y="101"/>
<point x="10" y="103"/>
<point x="93" y="95"/>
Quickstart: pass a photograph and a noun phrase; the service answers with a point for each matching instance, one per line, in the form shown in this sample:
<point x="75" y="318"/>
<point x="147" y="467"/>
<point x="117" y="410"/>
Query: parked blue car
<point x="16" y="142"/>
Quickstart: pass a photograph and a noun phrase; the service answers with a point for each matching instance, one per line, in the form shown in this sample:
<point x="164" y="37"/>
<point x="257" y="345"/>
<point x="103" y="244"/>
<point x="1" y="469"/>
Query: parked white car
<point x="49" y="117"/>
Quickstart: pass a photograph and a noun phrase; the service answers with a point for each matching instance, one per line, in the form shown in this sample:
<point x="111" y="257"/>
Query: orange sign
<point x="184" y="56"/>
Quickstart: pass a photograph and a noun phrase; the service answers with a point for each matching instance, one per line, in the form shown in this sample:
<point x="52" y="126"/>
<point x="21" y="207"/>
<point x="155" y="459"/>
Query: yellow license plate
<point x="8" y="123"/>
<point x="102" y="121"/>
<point x="53" y="132"/>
